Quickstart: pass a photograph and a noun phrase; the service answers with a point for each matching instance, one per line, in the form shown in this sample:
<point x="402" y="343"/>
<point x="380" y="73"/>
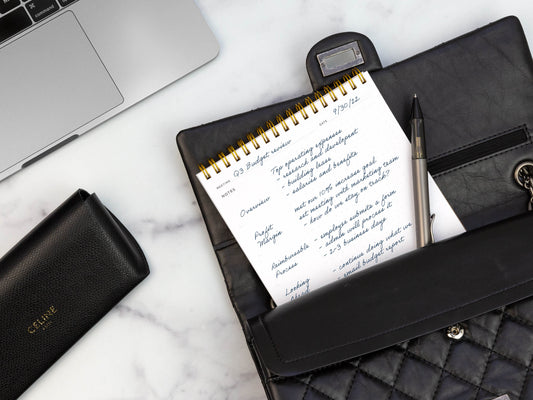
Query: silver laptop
<point x="69" y="65"/>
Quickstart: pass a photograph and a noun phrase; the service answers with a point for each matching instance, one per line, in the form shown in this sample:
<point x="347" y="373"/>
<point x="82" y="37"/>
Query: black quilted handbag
<point x="452" y="321"/>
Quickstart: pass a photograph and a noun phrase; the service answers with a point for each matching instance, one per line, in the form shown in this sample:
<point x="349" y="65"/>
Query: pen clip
<point x="431" y="223"/>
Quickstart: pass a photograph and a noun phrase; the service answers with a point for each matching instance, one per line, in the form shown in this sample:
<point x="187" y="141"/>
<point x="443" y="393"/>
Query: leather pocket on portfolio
<point x="57" y="282"/>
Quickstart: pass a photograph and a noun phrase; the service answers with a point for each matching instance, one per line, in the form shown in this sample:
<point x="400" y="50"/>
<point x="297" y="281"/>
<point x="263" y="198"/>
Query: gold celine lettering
<point x="43" y="321"/>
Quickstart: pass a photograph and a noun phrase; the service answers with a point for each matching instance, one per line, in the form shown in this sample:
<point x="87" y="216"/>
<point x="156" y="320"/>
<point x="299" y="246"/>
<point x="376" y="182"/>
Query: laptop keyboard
<point x="17" y="15"/>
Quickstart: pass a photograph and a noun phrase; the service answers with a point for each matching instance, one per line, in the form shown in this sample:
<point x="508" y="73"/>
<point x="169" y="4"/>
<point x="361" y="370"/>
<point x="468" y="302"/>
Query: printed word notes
<point x="328" y="197"/>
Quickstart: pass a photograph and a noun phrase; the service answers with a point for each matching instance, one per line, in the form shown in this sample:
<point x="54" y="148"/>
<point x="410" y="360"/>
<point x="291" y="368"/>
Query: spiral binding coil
<point x="291" y="116"/>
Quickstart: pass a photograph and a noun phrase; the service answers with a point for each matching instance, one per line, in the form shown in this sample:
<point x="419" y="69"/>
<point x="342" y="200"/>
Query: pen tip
<point x="416" y="112"/>
<point x="415" y="95"/>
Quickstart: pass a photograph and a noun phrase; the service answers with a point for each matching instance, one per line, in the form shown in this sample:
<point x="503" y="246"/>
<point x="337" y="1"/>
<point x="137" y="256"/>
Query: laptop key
<point x="40" y="9"/>
<point x="63" y="3"/>
<point x="8" y="5"/>
<point x="13" y="23"/>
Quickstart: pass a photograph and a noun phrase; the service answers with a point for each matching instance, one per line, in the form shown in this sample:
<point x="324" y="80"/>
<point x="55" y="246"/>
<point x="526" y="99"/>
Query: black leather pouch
<point x="57" y="282"/>
<point x="453" y="321"/>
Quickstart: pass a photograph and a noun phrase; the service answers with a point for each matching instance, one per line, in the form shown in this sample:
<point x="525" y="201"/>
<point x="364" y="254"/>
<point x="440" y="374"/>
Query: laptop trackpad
<point x="52" y="82"/>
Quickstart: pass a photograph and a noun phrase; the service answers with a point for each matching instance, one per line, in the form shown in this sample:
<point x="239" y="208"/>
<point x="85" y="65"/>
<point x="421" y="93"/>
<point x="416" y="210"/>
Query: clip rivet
<point x="455" y="332"/>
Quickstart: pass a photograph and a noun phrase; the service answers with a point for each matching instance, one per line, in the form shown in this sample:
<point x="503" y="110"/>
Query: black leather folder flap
<point x="420" y="292"/>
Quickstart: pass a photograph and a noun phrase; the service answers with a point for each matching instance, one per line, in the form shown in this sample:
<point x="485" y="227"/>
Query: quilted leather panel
<point x="493" y="358"/>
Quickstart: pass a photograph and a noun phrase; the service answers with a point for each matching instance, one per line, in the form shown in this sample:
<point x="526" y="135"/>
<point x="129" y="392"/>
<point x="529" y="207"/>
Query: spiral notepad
<point x="324" y="192"/>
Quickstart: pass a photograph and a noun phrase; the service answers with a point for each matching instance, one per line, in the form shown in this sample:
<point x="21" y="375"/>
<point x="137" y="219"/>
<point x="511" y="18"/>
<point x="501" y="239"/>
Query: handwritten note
<point x="328" y="197"/>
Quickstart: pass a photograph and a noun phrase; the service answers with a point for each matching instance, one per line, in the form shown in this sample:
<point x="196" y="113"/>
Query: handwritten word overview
<point x="329" y="197"/>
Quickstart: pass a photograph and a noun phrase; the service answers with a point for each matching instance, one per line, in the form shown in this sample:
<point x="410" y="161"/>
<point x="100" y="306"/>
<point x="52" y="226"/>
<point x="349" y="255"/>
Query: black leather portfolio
<point x="57" y="282"/>
<point x="453" y="320"/>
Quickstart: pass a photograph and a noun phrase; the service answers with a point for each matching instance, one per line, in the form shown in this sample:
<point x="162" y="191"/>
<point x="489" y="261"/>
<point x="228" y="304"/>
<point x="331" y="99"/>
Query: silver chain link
<point x="523" y="178"/>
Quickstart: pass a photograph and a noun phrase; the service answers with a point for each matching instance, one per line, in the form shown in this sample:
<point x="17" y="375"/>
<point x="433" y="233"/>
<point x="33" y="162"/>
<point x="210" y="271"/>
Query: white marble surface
<point x="176" y="336"/>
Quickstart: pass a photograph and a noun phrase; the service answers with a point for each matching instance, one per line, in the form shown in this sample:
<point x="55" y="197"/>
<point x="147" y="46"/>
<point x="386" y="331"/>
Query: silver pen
<point x="420" y="176"/>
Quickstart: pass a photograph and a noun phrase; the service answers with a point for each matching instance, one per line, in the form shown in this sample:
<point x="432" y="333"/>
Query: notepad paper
<point x="327" y="198"/>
